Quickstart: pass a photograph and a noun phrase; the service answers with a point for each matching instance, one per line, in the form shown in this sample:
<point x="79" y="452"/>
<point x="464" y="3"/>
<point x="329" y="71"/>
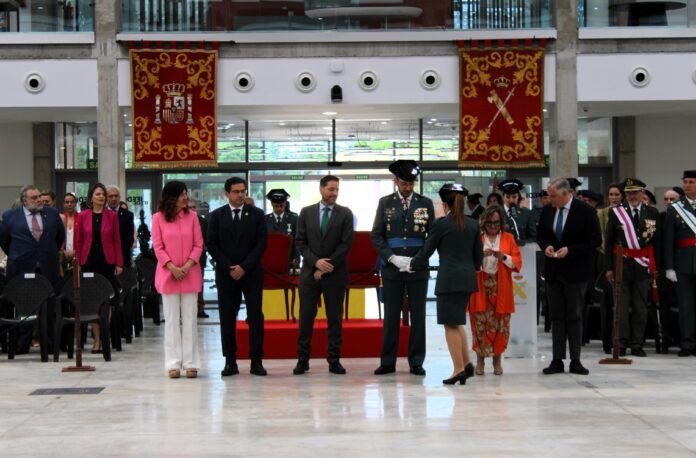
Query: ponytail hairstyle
<point x="454" y="196"/>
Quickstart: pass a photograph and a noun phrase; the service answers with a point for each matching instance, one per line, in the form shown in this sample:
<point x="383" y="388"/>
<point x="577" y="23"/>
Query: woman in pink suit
<point x="97" y="244"/>
<point x="178" y="243"/>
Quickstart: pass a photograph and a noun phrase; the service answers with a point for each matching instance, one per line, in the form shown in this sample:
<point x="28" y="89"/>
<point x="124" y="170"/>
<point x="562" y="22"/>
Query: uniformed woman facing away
<point x="458" y="243"/>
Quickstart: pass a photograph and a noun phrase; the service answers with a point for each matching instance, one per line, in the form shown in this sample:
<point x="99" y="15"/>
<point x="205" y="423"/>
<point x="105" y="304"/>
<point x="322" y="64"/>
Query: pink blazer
<point x="110" y="237"/>
<point x="177" y="242"/>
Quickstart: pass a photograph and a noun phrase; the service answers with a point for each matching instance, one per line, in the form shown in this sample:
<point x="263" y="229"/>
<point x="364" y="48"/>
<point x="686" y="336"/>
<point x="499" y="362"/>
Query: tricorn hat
<point x="589" y="194"/>
<point x="474" y="198"/>
<point x="452" y="188"/>
<point x="679" y="190"/>
<point x="632" y="184"/>
<point x="574" y="182"/>
<point x="277" y="196"/>
<point x="405" y="169"/>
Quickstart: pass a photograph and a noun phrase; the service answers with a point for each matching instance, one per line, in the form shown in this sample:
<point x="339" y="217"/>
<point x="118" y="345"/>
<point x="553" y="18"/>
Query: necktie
<point x="235" y="217"/>
<point x="35" y="228"/>
<point x="278" y="219"/>
<point x="559" y="223"/>
<point x="405" y="203"/>
<point x="325" y="221"/>
<point x="636" y="218"/>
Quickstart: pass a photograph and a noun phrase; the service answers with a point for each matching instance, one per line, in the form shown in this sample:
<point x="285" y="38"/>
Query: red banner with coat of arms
<point x="501" y="108"/>
<point x="174" y="107"/>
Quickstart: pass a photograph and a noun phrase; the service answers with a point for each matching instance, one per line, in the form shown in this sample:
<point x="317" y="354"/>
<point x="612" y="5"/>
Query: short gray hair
<point x="113" y="186"/>
<point x="560" y="184"/>
<point x="24" y="190"/>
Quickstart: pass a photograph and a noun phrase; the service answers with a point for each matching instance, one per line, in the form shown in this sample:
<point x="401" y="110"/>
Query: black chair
<point x="146" y="269"/>
<point x="25" y="299"/>
<point x="96" y="293"/>
<point x="128" y="281"/>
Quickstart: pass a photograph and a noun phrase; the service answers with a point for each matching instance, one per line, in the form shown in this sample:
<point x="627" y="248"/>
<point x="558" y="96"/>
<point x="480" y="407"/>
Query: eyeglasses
<point x="492" y="223"/>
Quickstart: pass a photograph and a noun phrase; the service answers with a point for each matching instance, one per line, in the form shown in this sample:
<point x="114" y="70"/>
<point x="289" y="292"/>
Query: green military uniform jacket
<point x="526" y="225"/>
<point x="647" y="233"/>
<point x="288" y="225"/>
<point x="682" y="260"/>
<point x="461" y="255"/>
<point x="402" y="233"/>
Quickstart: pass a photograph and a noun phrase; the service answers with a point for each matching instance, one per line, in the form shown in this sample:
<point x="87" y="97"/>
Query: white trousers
<point x="180" y="331"/>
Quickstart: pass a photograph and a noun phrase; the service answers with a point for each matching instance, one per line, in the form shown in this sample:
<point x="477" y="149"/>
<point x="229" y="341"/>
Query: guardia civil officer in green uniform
<point x="679" y="252"/>
<point x="520" y="221"/>
<point x="633" y="225"/>
<point x="399" y="231"/>
<point x="282" y="220"/>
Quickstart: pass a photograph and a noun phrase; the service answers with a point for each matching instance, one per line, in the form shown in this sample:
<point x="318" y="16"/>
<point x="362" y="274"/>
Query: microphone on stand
<point x="513" y="218"/>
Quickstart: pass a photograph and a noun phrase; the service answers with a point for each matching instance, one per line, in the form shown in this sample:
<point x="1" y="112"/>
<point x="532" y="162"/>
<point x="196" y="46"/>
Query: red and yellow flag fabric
<point x="501" y="103"/>
<point x="174" y="108"/>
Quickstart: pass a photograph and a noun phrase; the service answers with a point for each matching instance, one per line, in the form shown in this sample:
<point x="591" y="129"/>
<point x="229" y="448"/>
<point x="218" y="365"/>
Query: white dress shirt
<point x="490" y="263"/>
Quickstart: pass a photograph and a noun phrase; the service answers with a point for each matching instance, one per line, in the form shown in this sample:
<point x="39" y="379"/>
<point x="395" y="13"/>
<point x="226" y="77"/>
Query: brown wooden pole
<point x="618" y="279"/>
<point x="78" y="367"/>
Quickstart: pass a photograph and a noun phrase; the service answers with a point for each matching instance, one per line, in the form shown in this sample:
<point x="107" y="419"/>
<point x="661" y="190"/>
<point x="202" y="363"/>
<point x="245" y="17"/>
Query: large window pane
<point x="47" y="16"/>
<point x="76" y="145"/>
<point x="254" y="16"/>
<point x="440" y="139"/>
<point x="594" y="141"/>
<point x="613" y="13"/>
<point x="376" y="139"/>
<point x="290" y="141"/>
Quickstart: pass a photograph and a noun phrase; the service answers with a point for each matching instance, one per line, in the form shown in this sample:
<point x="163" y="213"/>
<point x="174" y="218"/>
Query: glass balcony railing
<point x="46" y="16"/>
<point x="308" y="15"/>
<point x="632" y="13"/>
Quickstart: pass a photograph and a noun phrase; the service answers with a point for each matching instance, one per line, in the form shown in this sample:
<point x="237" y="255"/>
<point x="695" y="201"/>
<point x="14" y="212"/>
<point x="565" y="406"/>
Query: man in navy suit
<point x="32" y="235"/>
<point x="236" y="240"/>
<point x="568" y="234"/>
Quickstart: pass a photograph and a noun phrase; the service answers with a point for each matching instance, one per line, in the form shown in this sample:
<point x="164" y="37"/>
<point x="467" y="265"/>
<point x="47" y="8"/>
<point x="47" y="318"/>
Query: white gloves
<point x="671" y="275"/>
<point x="402" y="262"/>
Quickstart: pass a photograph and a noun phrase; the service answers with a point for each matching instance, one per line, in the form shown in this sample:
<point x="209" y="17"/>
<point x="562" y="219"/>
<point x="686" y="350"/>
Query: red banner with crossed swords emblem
<point x="501" y="103"/>
<point x="174" y="108"/>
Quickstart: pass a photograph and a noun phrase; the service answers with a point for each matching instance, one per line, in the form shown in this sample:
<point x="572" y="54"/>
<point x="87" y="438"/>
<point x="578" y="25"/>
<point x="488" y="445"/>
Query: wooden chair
<point x="276" y="271"/>
<point x="362" y="267"/>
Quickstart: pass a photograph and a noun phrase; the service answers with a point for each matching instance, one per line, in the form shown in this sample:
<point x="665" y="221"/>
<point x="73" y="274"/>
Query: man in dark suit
<point x="126" y="225"/>
<point x="568" y="235"/>
<point x="203" y="260"/>
<point x="519" y="219"/>
<point x="324" y="237"/>
<point x="474" y="203"/>
<point x="679" y="252"/>
<point x="283" y="220"/>
<point x="237" y="240"/>
<point x="402" y="221"/>
<point x="634" y="226"/>
<point x="31" y="236"/>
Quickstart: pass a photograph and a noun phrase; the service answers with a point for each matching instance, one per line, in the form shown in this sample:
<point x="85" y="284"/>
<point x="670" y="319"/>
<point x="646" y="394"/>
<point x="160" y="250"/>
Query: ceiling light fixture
<point x="329" y="113"/>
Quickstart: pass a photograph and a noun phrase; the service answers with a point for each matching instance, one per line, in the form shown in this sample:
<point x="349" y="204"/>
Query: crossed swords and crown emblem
<point x="501" y="83"/>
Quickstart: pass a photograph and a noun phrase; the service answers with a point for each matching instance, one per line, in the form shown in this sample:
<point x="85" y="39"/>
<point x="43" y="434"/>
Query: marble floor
<point x="646" y="409"/>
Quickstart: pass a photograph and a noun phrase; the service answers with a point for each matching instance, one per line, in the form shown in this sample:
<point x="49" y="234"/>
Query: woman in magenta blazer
<point x="178" y="244"/>
<point x="97" y="243"/>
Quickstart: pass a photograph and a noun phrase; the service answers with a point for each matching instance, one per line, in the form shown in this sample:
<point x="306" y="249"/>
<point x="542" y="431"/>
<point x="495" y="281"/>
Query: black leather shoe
<point x="459" y="378"/>
<point x="416" y="370"/>
<point x="683" y="353"/>
<point x="230" y="369"/>
<point x="576" y="367"/>
<point x="469" y="370"/>
<point x="202" y="314"/>
<point x="382" y="370"/>
<point x="301" y="367"/>
<point x="257" y="368"/>
<point x="556" y="367"/>
<point x="638" y="352"/>
<point x="337" y="368"/>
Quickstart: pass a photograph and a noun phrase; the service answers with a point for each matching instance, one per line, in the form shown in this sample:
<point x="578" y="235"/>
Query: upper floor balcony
<point x="637" y="18"/>
<point x="46" y="16"/>
<point x="332" y="15"/>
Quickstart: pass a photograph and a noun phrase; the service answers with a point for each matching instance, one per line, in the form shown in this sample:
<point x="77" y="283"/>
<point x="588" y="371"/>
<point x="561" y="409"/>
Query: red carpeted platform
<point x="361" y="339"/>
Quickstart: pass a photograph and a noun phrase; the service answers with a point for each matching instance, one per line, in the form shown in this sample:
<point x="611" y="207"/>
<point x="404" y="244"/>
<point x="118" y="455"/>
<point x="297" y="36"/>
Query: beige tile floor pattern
<point x="647" y="409"/>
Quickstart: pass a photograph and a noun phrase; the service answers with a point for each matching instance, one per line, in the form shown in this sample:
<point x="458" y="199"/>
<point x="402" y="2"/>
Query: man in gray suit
<point x="324" y="237"/>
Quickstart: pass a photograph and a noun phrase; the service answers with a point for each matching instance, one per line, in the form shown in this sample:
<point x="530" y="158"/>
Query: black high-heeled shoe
<point x="459" y="377"/>
<point x="469" y="370"/>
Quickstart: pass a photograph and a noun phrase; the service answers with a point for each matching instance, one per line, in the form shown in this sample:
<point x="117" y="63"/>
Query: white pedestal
<point x="523" y="324"/>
